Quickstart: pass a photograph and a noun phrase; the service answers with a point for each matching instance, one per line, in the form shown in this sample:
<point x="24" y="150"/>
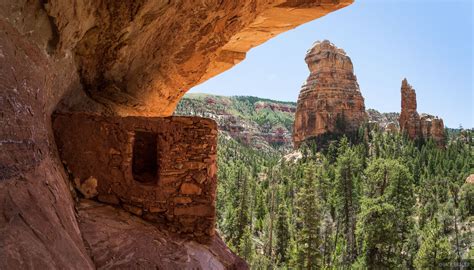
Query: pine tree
<point x="435" y="250"/>
<point x="246" y="249"/>
<point x="243" y="218"/>
<point x="376" y="229"/>
<point x="282" y="234"/>
<point x="309" y="219"/>
<point x="388" y="183"/>
<point x="348" y="170"/>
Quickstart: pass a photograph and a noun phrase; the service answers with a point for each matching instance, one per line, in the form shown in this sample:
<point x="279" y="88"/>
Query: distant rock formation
<point x="260" y="105"/>
<point x="260" y="123"/>
<point x="387" y="122"/>
<point x="409" y="118"/>
<point x="433" y="127"/>
<point x="416" y="127"/>
<point x="330" y="101"/>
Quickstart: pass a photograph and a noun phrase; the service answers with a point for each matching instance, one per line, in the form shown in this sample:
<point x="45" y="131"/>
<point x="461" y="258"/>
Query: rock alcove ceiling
<point x="122" y="58"/>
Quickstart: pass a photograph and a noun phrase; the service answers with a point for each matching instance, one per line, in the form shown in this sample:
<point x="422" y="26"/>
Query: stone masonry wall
<point x="181" y="195"/>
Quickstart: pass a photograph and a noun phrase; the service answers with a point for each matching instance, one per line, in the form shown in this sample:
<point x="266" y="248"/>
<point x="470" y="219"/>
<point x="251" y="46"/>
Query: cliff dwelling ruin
<point x="162" y="169"/>
<point x="77" y="79"/>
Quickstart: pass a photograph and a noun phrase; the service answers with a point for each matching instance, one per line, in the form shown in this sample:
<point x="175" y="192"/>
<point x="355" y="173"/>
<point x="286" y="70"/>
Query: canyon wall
<point x="110" y="57"/>
<point x="330" y="101"/>
<point x="38" y="226"/>
<point x="260" y="123"/>
<point x="416" y="127"/>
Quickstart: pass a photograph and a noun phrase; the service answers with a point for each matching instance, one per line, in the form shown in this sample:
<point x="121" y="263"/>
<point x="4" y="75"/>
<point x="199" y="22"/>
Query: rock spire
<point x="330" y="101"/>
<point x="415" y="126"/>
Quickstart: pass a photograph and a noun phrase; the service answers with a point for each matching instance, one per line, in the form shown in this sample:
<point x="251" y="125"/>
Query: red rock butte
<point x="331" y="94"/>
<point x="91" y="62"/>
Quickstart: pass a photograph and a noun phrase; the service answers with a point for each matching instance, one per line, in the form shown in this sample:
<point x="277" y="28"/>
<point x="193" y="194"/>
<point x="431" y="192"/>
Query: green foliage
<point x="348" y="172"/>
<point x="308" y="219"/>
<point x="467" y="200"/>
<point x="435" y="251"/>
<point x="377" y="231"/>
<point x="386" y="213"/>
<point x="381" y="203"/>
<point x="282" y="235"/>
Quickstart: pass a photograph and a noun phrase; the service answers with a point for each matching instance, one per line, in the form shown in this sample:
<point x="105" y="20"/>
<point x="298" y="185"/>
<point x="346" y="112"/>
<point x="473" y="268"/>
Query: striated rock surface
<point x="38" y="226"/>
<point x="433" y="127"/>
<point x="416" y="127"/>
<point x="330" y="101"/>
<point x="130" y="57"/>
<point x="409" y="118"/>
<point x="118" y="240"/>
<point x="140" y="57"/>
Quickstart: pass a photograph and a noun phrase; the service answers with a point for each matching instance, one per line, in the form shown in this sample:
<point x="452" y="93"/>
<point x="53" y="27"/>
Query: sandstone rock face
<point x="330" y="101"/>
<point x="38" y="226"/>
<point x="140" y="57"/>
<point x="119" y="240"/>
<point x="433" y="127"/>
<point x="409" y="118"/>
<point x="416" y="127"/>
<point x="470" y="179"/>
<point x="131" y="57"/>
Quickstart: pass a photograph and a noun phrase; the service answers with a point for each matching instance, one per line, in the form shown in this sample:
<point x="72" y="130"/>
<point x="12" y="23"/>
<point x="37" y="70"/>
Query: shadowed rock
<point x="113" y="57"/>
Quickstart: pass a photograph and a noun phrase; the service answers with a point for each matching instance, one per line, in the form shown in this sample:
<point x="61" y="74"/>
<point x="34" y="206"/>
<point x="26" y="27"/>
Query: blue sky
<point x="428" y="42"/>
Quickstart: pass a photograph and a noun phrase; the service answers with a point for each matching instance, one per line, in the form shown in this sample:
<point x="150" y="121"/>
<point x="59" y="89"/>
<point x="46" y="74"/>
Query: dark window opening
<point x="145" y="157"/>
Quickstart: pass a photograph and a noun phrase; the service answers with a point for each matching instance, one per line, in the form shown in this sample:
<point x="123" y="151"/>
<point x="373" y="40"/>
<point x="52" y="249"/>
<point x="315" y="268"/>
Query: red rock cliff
<point x="131" y="57"/>
<point x="330" y="95"/>
<point x="416" y="127"/>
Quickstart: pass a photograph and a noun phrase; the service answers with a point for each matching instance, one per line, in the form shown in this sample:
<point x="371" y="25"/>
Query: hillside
<point x="261" y="123"/>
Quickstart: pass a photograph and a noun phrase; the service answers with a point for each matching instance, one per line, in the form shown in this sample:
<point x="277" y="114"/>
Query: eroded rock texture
<point x="330" y="101"/>
<point x="140" y="57"/>
<point x="38" y="227"/>
<point x="433" y="127"/>
<point x="119" y="240"/>
<point x="409" y="117"/>
<point x="131" y="57"/>
<point x="416" y="127"/>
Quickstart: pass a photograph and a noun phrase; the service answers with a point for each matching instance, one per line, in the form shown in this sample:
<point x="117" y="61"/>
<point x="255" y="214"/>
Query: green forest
<point x="384" y="202"/>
